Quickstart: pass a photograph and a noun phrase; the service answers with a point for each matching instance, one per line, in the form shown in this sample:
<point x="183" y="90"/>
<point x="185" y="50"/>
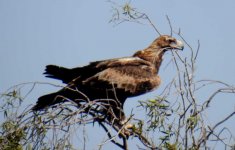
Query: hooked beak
<point x="177" y="45"/>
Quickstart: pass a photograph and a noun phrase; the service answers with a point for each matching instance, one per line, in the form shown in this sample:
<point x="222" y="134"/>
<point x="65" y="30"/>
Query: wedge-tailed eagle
<point x="116" y="79"/>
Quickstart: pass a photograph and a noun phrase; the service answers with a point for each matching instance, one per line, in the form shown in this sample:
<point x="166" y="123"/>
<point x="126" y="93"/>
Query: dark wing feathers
<point x="131" y="79"/>
<point x="132" y="61"/>
<point x="131" y="74"/>
<point x="57" y="72"/>
<point x="67" y="75"/>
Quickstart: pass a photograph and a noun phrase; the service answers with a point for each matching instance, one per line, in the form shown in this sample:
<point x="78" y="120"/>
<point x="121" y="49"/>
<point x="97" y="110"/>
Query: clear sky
<point x="34" y="33"/>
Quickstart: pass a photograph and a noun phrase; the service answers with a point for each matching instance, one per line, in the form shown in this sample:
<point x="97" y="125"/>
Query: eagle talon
<point x="126" y="131"/>
<point x="126" y="128"/>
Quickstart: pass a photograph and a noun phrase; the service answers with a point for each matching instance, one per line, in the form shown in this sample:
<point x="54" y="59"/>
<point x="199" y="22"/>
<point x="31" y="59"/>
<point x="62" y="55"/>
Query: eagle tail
<point x="46" y="101"/>
<point x="66" y="94"/>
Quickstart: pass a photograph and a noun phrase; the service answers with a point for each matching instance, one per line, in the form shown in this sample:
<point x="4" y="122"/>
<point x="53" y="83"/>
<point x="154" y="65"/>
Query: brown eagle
<point x="115" y="79"/>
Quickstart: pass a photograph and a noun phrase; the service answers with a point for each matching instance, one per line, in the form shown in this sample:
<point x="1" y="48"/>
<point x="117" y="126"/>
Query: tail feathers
<point x="46" y="101"/>
<point x="57" y="97"/>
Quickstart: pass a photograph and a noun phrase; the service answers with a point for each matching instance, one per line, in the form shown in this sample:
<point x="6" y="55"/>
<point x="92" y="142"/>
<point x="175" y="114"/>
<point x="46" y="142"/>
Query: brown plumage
<point x="115" y="79"/>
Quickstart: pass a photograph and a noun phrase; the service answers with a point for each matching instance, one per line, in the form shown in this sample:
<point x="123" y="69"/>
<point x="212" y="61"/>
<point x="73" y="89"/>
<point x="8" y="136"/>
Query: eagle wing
<point x="133" y="75"/>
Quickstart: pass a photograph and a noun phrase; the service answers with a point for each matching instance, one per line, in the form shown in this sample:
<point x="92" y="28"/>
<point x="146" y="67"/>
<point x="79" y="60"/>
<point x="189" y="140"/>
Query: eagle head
<point x="166" y="42"/>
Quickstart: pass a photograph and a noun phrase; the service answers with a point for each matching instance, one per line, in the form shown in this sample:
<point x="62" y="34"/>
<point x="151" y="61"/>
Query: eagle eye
<point x="172" y="40"/>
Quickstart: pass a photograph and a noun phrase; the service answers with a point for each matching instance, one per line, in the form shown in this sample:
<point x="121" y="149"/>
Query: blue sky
<point x="34" y="33"/>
